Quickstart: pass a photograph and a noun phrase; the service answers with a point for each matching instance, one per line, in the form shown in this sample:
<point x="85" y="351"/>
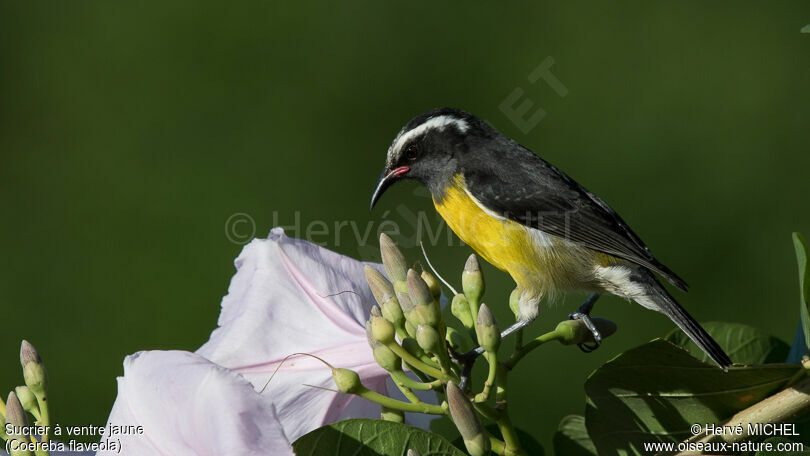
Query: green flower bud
<point x="426" y="310"/>
<point x="408" y="312"/>
<point x="458" y="340"/>
<point x="27" y="398"/>
<point x="472" y="432"/>
<point x="489" y="336"/>
<point x="433" y="284"/>
<point x="347" y="380"/>
<point x="418" y="290"/>
<point x="33" y="369"/>
<point x="472" y="280"/>
<point x="410" y="329"/>
<point x="382" y="289"/>
<point x="381" y="329"/>
<point x="575" y="332"/>
<point x="428" y="339"/>
<point x="405" y="302"/>
<point x="393" y="259"/>
<point x="461" y="310"/>
<point x="15" y="414"/>
<point x="392" y="312"/>
<point x="412" y="346"/>
<point x="386" y="358"/>
<point x="514" y="302"/>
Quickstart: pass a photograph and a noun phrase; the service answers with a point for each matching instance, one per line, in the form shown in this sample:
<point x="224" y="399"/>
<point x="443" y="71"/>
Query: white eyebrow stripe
<point x="438" y="122"/>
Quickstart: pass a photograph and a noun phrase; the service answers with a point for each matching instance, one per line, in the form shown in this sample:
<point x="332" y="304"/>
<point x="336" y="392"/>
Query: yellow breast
<point x="535" y="260"/>
<point x="505" y="244"/>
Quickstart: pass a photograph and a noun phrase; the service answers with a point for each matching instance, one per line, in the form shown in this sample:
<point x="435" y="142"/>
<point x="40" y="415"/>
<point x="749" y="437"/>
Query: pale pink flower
<point x="291" y="296"/>
<point x="188" y="405"/>
<point x="288" y="296"/>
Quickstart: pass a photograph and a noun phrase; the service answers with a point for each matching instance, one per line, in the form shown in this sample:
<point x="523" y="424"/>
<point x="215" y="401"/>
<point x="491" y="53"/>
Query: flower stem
<point x="394" y="404"/>
<point x="402" y="377"/>
<point x="504" y="423"/>
<point x="492" y="359"/>
<point x="518" y="340"/>
<point x="407" y="393"/>
<point x="415" y="362"/>
<point x="396" y="416"/>
<point x="497" y="446"/>
<point x="45" y="418"/>
<point x="526" y="349"/>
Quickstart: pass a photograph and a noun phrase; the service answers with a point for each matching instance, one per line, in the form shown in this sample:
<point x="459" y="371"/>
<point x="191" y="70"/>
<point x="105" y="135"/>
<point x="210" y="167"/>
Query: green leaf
<point x="806" y="29"/>
<point x="744" y="344"/>
<point x="654" y="393"/>
<point x="777" y="440"/>
<point x="571" y="438"/>
<point x="804" y="285"/>
<point x="365" y="437"/>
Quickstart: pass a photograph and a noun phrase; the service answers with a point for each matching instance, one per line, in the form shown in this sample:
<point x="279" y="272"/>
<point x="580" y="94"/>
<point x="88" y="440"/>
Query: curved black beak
<point x="387" y="178"/>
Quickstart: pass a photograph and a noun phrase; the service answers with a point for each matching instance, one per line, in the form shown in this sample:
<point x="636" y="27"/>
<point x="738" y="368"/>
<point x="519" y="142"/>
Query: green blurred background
<point x="131" y="132"/>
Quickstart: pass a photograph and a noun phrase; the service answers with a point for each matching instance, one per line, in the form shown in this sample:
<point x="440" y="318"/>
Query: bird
<point x="528" y="218"/>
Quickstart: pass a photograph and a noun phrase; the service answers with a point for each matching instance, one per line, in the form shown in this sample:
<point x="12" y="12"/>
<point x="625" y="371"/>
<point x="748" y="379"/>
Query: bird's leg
<point x="583" y="314"/>
<point x="468" y="359"/>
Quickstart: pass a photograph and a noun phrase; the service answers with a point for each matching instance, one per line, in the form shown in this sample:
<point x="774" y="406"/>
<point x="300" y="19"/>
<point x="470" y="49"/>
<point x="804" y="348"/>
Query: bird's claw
<point x="597" y="336"/>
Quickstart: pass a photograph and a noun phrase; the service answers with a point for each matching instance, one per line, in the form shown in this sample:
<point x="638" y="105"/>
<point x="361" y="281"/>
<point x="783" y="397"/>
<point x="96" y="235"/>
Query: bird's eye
<point x="412" y="152"/>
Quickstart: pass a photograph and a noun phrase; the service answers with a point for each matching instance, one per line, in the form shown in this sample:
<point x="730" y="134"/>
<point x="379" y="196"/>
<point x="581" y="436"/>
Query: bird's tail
<point x="670" y="307"/>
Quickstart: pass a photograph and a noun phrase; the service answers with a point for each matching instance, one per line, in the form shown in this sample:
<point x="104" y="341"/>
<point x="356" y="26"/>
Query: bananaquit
<point x="531" y="220"/>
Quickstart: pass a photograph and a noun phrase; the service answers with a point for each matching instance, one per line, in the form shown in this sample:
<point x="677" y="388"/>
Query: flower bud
<point x="16" y="417"/>
<point x="472" y="280"/>
<point x="418" y="290"/>
<point x="460" y="308"/>
<point x="382" y="289"/>
<point x="575" y="332"/>
<point x="514" y="302"/>
<point x="405" y="303"/>
<point x="392" y="312"/>
<point x="489" y="336"/>
<point x="412" y="346"/>
<point x="457" y="340"/>
<point x="386" y="358"/>
<point x="426" y="310"/>
<point x="382" y="329"/>
<point x="27" y="398"/>
<point x="347" y="380"/>
<point x="33" y="369"/>
<point x="472" y="432"/>
<point x="433" y="284"/>
<point x="393" y="259"/>
<point x="410" y="329"/>
<point x="15" y="414"/>
<point x="428" y="339"/>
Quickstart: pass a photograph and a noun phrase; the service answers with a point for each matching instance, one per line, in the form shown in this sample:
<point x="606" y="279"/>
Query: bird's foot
<point x="583" y="314"/>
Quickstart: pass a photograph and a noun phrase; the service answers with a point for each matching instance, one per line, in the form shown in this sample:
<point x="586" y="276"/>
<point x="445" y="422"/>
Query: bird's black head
<point x="427" y="149"/>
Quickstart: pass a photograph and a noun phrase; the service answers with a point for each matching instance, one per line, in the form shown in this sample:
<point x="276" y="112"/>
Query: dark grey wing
<point x="539" y="195"/>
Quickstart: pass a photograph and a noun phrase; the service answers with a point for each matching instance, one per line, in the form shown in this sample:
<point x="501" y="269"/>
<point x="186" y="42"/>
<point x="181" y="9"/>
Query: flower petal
<point x="190" y="406"/>
<point x="283" y="300"/>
